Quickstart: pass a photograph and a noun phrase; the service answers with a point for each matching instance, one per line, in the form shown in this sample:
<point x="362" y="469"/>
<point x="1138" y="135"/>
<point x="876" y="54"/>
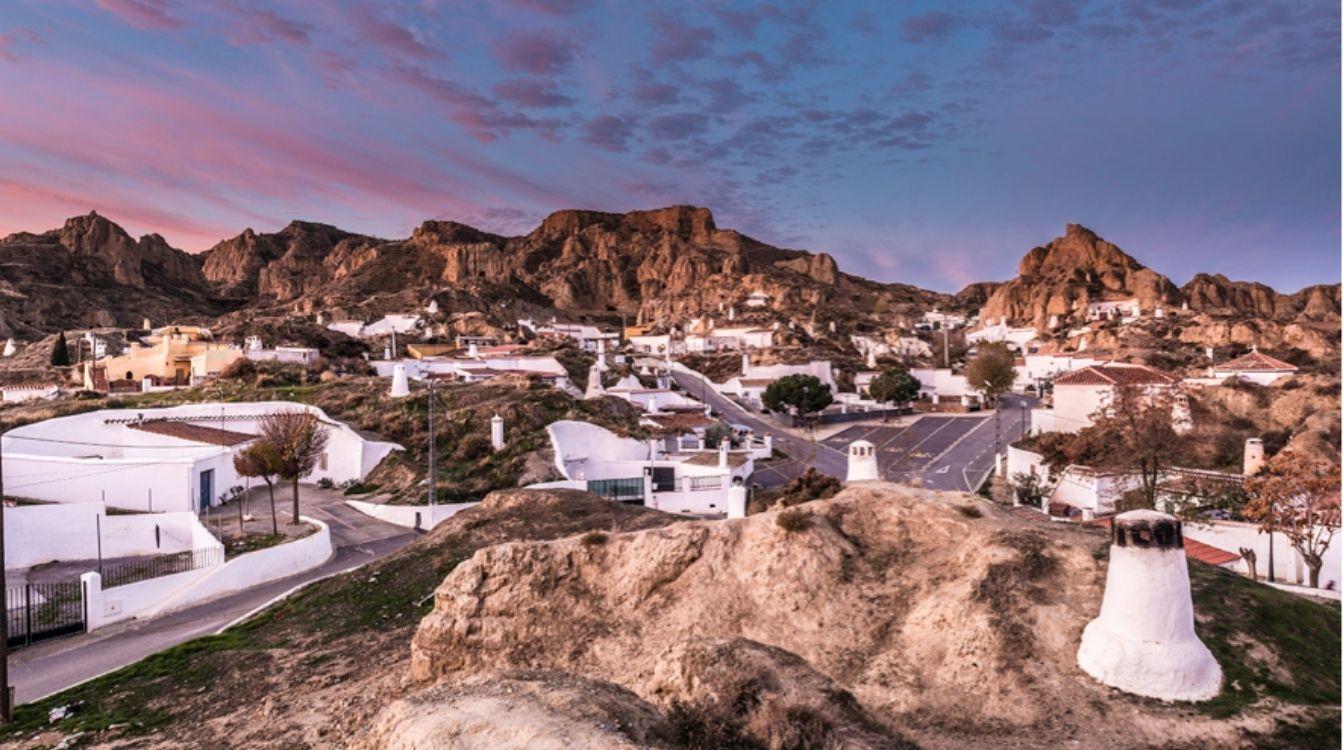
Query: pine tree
<point x="60" y="353"/>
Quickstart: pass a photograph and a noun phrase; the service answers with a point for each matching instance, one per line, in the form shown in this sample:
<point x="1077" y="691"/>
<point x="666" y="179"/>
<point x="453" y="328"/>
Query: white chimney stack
<point x="862" y="462"/>
<point x="745" y="364"/>
<point x="473" y="351"/>
<point x="722" y="453"/>
<point x="1254" y="457"/>
<point x="1143" y="642"/>
<point x="10" y="348"/>
<point x="400" y="385"/>
<point x="497" y="432"/>
<point x="736" y="501"/>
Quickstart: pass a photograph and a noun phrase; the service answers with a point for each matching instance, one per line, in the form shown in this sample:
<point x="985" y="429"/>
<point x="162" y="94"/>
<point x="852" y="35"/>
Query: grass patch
<point x="595" y="538"/>
<point x="1009" y="588"/>
<point x="1299" y="661"/>
<point x="362" y="488"/>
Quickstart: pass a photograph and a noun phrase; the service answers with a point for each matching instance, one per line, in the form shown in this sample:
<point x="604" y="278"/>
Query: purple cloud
<point x="390" y="35"/>
<point x="531" y="92"/>
<point x="608" y="132"/>
<point x="679" y="126"/>
<point x="148" y="15"/>
<point x="931" y="26"/>
<point x="676" y="41"/>
<point x="265" y="25"/>
<point x="479" y="115"/>
<point x="537" y="52"/>
<point x="655" y="93"/>
<point x="9" y="42"/>
<point x="554" y="7"/>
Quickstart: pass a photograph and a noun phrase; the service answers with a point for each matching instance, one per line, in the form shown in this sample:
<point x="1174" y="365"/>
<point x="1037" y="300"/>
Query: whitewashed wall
<point x="404" y="515"/>
<point x="1287" y="563"/>
<point x="171" y="593"/>
<point x="36" y="534"/>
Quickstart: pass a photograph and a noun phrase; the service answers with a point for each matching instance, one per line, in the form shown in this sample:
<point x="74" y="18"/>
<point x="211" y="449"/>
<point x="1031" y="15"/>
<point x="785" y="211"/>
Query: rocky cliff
<point x="90" y="272"/>
<point x="665" y="264"/>
<point x="1062" y="277"/>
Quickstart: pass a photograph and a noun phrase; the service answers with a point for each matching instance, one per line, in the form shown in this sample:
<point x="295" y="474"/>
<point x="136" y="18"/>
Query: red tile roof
<point x="192" y="432"/>
<point x="1208" y="553"/>
<point x="1257" y="362"/>
<point x="1116" y="374"/>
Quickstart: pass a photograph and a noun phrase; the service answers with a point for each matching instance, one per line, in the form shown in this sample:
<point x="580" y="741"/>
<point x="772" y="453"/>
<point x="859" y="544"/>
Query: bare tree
<point x="258" y="461"/>
<point x="1298" y="497"/>
<point x="297" y="439"/>
<point x="992" y="371"/>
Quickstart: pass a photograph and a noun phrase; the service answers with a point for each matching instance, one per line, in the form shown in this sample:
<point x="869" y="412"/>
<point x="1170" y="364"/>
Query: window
<point x="322" y="464"/>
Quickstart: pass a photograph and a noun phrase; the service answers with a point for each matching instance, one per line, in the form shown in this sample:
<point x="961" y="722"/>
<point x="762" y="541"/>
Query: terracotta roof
<point x="1194" y="549"/>
<point x="1208" y="553"/>
<point x="1256" y="362"/>
<point x="1116" y="374"/>
<point x="192" y="432"/>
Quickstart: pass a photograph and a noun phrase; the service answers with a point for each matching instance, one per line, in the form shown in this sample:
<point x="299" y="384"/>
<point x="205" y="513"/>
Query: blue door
<point x="207" y="489"/>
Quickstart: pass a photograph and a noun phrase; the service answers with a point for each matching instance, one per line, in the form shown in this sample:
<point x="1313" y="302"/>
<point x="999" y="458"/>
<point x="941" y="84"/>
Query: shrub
<point x="325" y="483"/>
<point x="969" y="511"/>
<point x="360" y="488"/>
<point x="473" y="447"/>
<point x="794" y="520"/>
<point x="594" y="538"/>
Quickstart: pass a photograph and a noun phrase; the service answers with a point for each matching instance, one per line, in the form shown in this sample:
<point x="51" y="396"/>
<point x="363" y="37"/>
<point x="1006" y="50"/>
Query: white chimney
<point x="253" y="343"/>
<point x="652" y="403"/>
<point x="871" y="358"/>
<point x="731" y="312"/>
<point x="736" y="501"/>
<point x="497" y="432"/>
<point x="10" y="348"/>
<point x="722" y="453"/>
<point x="745" y="364"/>
<point x="400" y="385"/>
<point x="862" y="462"/>
<point x="473" y="351"/>
<point x="1254" y="457"/>
<point x="1143" y="642"/>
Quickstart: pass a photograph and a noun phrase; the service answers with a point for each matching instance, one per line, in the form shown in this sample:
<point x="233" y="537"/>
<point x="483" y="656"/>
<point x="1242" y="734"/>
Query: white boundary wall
<point x="405" y="515"/>
<point x="171" y="593"/>
<point x="1288" y="566"/>
<point x="36" y="534"/>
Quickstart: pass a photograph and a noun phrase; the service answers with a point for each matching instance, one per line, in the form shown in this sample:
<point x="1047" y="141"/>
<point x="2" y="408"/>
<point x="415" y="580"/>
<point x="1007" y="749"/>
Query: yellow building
<point x="174" y="355"/>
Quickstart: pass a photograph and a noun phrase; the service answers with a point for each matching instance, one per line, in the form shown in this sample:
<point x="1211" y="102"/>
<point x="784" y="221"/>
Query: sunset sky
<point x="928" y="143"/>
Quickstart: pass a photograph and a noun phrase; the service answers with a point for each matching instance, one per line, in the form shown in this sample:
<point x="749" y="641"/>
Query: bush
<point x="326" y="483"/>
<point x="794" y="520"/>
<point x="594" y="538"/>
<point x="473" y="447"/>
<point x="969" y="511"/>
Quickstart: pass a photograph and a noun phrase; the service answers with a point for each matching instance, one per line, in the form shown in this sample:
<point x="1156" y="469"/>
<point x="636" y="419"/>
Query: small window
<point x="323" y="462"/>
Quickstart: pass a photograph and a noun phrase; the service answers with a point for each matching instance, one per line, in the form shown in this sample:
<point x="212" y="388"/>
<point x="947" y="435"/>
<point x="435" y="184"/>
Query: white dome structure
<point x="862" y="462"/>
<point x="736" y="501"/>
<point x="1143" y="642"/>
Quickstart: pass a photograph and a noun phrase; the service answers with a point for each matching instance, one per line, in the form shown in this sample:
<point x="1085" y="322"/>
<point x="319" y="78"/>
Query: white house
<point x="940" y="383"/>
<point x="1081" y="393"/>
<point x="353" y="328"/>
<point x="1126" y="310"/>
<point x="300" y="355"/>
<point x="587" y="337"/>
<point x="389" y="324"/>
<point x="652" y="400"/>
<point x="1034" y="368"/>
<point x="730" y="339"/>
<point x="1255" y="367"/>
<point x="660" y="344"/>
<point x="479" y="368"/>
<point x="1017" y="338"/>
<point x="757" y="299"/>
<point x="938" y="320"/>
<point x="16" y="394"/>
<point x="629" y="469"/>
<point x="173" y="459"/>
<point x="753" y="381"/>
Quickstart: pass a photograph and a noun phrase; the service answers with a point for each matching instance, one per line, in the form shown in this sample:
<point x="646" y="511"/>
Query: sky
<point x="924" y="143"/>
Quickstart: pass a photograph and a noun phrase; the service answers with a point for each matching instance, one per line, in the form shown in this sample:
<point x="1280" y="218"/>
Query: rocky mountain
<point x="1062" y="277"/>
<point x="90" y="272"/>
<point x="666" y="264"/>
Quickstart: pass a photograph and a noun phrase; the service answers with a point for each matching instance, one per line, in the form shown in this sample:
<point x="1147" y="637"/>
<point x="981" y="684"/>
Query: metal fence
<point x="624" y="490"/>
<point x="37" y="611"/>
<point x="132" y="571"/>
<point x="714" y="482"/>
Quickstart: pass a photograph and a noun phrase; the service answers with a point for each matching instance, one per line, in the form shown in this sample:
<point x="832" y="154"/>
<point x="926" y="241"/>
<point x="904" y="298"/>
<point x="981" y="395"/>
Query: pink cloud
<point x="538" y="52"/>
<point x="149" y="15"/>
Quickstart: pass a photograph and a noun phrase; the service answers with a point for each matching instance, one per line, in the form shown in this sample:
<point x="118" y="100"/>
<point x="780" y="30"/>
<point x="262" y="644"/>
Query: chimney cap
<point x="1147" y="529"/>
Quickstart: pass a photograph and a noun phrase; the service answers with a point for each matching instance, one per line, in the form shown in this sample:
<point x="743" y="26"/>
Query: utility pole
<point x="946" y="349"/>
<point x="6" y="704"/>
<point x="433" y="446"/>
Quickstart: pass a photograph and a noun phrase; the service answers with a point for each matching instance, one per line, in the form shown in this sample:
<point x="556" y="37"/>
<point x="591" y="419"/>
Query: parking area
<point x="936" y="450"/>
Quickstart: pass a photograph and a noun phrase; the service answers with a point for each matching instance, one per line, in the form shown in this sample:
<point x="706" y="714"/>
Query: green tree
<point x="894" y="386"/>
<point x="1298" y="497"/>
<point x="991" y="372"/>
<point x="1030" y="490"/>
<point x="259" y="461"/>
<point x="802" y="394"/>
<point x="297" y="440"/>
<point x="60" y="352"/>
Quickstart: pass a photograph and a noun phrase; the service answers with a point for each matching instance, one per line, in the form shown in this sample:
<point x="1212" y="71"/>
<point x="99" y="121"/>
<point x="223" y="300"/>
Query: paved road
<point x="801" y="452"/>
<point x="38" y="671"/>
<point x="941" y="451"/>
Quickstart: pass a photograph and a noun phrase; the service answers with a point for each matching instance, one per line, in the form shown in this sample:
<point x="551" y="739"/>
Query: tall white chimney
<point x="400" y="384"/>
<point x="497" y="432"/>
<point x="736" y="501"/>
<point x="1143" y="642"/>
<point x="745" y="364"/>
<point x="862" y="462"/>
<point x="1254" y="457"/>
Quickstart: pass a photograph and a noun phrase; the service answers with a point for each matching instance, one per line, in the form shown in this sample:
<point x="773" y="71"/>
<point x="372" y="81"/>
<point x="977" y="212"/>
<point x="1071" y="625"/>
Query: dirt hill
<point x="885" y="616"/>
<point x="881" y="616"/>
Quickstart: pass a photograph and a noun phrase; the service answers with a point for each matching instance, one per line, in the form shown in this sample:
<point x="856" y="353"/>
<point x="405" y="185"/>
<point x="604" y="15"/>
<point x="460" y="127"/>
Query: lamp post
<point x="433" y="447"/>
<point x="6" y="705"/>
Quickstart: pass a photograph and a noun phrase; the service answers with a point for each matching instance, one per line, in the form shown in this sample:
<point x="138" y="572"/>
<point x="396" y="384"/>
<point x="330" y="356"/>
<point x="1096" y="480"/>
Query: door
<point x="207" y="489"/>
<point x="664" y="479"/>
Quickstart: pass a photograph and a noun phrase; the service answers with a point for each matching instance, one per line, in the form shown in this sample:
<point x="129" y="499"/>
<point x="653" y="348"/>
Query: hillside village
<point x="645" y="482"/>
